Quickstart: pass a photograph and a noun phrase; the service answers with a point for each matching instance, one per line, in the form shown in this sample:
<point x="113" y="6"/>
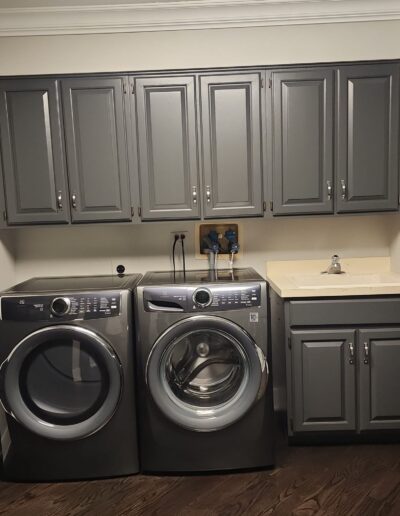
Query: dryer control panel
<point x="207" y="298"/>
<point x="66" y="307"/>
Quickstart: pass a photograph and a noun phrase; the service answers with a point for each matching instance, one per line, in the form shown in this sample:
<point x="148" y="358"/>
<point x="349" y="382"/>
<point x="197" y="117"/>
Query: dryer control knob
<point x="60" y="306"/>
<point x="202" y="297"/>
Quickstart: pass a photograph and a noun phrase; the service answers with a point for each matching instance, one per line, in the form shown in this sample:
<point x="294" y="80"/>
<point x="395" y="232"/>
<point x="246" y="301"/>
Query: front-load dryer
<point x="204" y="392"/>
<point x="67" y="378"/>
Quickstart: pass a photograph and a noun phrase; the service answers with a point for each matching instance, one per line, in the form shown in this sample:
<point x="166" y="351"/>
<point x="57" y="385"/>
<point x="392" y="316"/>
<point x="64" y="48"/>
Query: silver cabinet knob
<point x="351" y="352"/>
<point x="343" y="188"/>
<point x="194" y="194"/>
<point x="329" y="189"/>
<point x="208" y="194"/>
<point x="59" y="200"/>
<point x="73" y="200"/>
<point x="366" y="353"/>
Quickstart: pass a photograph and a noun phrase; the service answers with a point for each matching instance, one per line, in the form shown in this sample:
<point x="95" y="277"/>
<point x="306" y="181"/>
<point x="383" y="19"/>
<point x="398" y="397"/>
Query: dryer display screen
<point x="61" y="308"/>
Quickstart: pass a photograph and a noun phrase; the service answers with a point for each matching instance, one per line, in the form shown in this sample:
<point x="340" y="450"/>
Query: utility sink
<point x="317" y="281"/>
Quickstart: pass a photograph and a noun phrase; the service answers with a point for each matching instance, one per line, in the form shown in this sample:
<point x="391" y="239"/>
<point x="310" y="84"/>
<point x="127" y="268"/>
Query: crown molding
<point x="189" y="14"/>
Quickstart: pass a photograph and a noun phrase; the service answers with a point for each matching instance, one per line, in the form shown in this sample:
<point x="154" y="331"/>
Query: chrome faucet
<point x="334" y="267"/>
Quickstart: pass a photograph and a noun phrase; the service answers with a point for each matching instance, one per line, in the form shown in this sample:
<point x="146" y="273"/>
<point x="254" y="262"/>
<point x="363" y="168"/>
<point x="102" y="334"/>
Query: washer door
<point x="205" y="373"/>
<point x="61" y="382"/>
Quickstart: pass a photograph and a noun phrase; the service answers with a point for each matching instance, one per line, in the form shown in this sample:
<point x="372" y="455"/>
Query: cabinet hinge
<point x="269" y="83"/>
<point x="262" y="83"/>
<point x="124" y="87"/>
<point x="132" y="211"/>
<point x="289" y="342"/>
<point x="140" y="211"/>
<point x="271" y="205"/>
<point x="132" y="88"/>
<point x="264" y="206"/>
<point x="5" y="215"/>
<point x="291" y="424"/>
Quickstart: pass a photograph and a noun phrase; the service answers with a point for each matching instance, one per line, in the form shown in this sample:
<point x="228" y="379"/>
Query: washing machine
<point x="67" y="378"/>
<point x="204" y="391"/>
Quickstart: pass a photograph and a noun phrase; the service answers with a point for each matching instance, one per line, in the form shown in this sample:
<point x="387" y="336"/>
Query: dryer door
<point x="205" y="373"/>
<point x="61" y="382"/>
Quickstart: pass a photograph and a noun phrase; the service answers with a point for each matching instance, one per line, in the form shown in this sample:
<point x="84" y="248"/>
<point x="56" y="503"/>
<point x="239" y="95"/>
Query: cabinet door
<point x="33" y="158"/>
<point x="96" y="149"/>
<point x="323" y="368"/>
<point x="168" y="170"/>
<point x="302" y="148"/>
<point x="379" y="357"/>
<point x="367" y="135"/>
<point x="231" y="138"/>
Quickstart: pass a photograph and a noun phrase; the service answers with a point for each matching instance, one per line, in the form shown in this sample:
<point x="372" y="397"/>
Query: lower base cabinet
<point x="341" y="378"/>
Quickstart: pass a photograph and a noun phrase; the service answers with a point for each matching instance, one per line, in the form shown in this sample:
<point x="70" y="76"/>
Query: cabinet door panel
<point x="168" y="167"/>
<point x="33" y="158"/>
<point x="379" y="353"/>
<point x="368" y="104"/>
<point x="303" y="152"/>
<point x="231" y="136"/>
<point x="96" y="149"/>
<point x="323" y="380"/>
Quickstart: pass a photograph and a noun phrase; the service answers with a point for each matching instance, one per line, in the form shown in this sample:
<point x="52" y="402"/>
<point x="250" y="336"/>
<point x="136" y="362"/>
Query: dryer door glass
<point x="206" y="372"/>
<point x="62" y="382"/>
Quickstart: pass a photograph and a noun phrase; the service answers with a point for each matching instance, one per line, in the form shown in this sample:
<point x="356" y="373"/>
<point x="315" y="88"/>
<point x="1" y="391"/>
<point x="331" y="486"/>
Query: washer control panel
<point x="67" y="307"/>
<point x="207" y="298"/>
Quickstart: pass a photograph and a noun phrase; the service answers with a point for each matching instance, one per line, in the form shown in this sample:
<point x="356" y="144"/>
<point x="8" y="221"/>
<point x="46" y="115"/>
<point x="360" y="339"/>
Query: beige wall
<point x="7" y="259"/>
<point x="99" y="249"/>
<point x="200" y="48"/>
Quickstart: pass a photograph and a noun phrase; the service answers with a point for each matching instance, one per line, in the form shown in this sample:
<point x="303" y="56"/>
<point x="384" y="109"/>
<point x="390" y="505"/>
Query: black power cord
<point x="183" y="253"/>
<point x="173" y="250"/>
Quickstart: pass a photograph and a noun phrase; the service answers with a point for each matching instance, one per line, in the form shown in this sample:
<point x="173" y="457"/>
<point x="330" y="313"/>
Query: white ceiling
<point x="44" y="17"/>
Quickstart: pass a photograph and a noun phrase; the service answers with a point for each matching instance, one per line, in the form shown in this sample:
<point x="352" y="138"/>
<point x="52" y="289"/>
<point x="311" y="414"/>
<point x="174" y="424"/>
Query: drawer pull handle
<point x="366" y="353"/>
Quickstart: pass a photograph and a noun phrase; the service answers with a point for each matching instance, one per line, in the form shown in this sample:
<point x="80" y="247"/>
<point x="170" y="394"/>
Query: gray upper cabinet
<point x="379" y="354"/>
<point x="32" y="152"/>
<point x="166" y="131"/>
<point x="367" y="138"/>
<point x="95" y="134"/>
<point x="303" y="141"/>
<point x="323" y="383"/>
<point x="231" y="145"/>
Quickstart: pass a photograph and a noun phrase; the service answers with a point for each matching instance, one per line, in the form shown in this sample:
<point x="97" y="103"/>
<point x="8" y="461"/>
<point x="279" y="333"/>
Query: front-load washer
<point x="204" y="392"/>
<point x="67" y="378"/>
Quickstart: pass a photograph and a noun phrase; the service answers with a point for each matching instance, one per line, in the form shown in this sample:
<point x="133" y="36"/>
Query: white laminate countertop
<point x="303" y="278"/>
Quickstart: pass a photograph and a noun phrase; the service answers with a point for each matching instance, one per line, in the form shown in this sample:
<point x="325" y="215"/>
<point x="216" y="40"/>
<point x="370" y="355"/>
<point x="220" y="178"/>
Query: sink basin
<point x="317" y="281"/>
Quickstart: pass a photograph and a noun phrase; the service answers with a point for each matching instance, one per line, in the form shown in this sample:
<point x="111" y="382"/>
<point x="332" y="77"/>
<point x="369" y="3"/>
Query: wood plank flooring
<point x="325" y="480"/>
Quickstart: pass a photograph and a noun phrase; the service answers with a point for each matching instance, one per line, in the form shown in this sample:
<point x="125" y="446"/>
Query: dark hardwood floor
<point x="325" y="480"/>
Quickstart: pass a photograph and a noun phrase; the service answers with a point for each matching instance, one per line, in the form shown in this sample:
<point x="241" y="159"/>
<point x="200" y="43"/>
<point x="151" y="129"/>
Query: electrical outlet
<point x="178" y="247"/>
<point x="179" y="233"/>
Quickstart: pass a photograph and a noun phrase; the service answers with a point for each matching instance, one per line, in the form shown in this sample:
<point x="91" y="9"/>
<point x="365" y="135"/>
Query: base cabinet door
<point x="94" y="120"/>
<point x="367" y="138"/>
<point x="32" y="152"/>
<point x="303" y="143"/>
<point x="231" y="145"/>
<point x="323" y="380"/>
<point x="379" y="363"/>
<point x="167" y="142"/>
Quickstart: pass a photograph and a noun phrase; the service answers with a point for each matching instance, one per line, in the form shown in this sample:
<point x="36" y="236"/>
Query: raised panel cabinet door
<point x="32" y="152"/>
<point x="95" y="134"/>
<point x="166" y="128"/>
<point x="303" y="141"/>
<point x="231" y="145"/>
<point x="323" y="368"/>
<point x="379" y="365"/>
<point x="367" y="138"/>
